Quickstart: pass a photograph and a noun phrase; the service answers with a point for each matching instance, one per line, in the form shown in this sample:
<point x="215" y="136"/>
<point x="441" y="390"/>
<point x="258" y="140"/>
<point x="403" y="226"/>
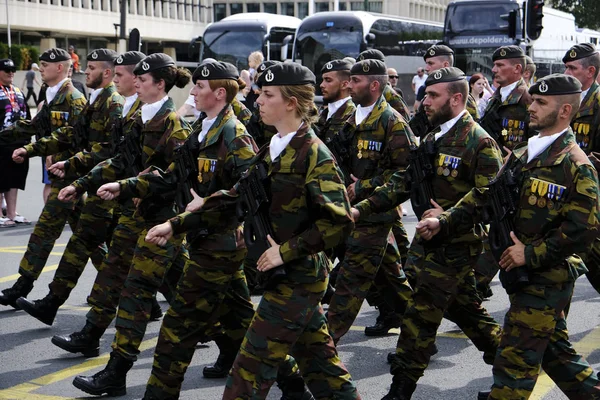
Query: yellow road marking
<point x="17" y="251"/>
<point x="25" y="247"/>
<point x="14" y="277"/>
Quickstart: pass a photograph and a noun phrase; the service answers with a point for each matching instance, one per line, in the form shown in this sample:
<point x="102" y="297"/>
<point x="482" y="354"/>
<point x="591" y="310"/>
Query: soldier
<point x="92" y="131"/>
<point x="557" y="217"/>
<point x="162" y="131"/>
<point x="464" y="157"/>
<point x="62" y="107"/>
<point x="378" y="141"/>
<point x="213" y="287"/>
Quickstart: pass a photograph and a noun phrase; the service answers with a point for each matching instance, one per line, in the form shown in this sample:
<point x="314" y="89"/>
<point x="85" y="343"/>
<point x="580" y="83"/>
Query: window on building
<point x="302" y="10"/>
<point x="220" y="12"/>
<point x="287" y="9"/>
<point x="236" y="8"/>
<point x="343" y="6"/>
<point x="357" y="5"/>
<point x="270" y="8"/>
<point x="253" y="7"/>
<point x="373" y="6"/>
<point x="321" y="7"/>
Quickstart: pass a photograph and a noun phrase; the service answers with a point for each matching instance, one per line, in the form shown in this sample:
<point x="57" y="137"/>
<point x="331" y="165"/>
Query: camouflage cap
<point x="444" y="75"/>
<point x="55" y="55"/>
<point x="337" y="65"/>
<point x="505" y="52"/>
<point x="369" y="67"/>
<point x="371" y="54"/>
<point x="556" y="84"/>
<point x="102" y="55"/>
<point x="212" y="71"/>
<point x="130" y="58"/>
<point x="438" y="50"/>
<point x="266" y="64"/>
<point x="153" y="62"/>
<point x="579" y="51"/>
<point x="286" y="74"/>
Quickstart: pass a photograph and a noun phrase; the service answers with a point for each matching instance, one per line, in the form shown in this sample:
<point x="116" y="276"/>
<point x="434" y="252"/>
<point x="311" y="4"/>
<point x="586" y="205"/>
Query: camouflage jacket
<point x="160" y="136"/>
<point x="586" y="124"/>
<point x="512" y="115"/>
<point x="225" y="153"/>
<point x="309" y="209"/>
<point x="328" y="128"/>
<point x="379" y="150"/>
<point x="466" y="157"/>
<point x="563" y="224"/>
<point x="472" y="107"/>
<point x="91" y="132"/>
<point x="63" y="110"/>
<point x="396" y="102"/>
<point x="242" y="112"/>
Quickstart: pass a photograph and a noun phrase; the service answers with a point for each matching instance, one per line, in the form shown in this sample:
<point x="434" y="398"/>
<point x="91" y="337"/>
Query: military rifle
<point x="419" y="175"/>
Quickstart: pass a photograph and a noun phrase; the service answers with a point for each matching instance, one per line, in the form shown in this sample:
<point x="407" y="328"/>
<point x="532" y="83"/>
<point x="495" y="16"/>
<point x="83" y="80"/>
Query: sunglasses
<point x="393" y="76"/>
<point x="8" y="70"/>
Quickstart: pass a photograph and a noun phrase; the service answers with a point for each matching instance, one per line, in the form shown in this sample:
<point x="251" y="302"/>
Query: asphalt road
<point x="32" y="368"/>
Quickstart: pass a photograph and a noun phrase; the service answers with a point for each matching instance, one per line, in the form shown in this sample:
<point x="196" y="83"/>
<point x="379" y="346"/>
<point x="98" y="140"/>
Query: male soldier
<point x="583" y="62"/>
<point x="529" y="72"/>
<point x="463" y="157"/>
<point x="557" y="217"/>
<point x="62" y="107"/>
<point x="91" y="135"/>
<point x="506" y="119"/>
<point x="391" y="96"/>
<point x="378" y="144"/>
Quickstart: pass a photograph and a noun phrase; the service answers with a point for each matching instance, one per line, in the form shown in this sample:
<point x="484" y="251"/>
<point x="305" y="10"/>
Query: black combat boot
<point x="228" y="349"/>
<point x="293" y="388"/>
<point x="86" y="341"/>
<point x="111" y="380"/>
<point x="402" y="388"/>
<point x="386" y="320"/>
<point x="484" y="395"/>
<point x="156" y="312"/>
<point x="44" y="309"/>
<point x="392" y="355"/>
<point x="21" y="288"/>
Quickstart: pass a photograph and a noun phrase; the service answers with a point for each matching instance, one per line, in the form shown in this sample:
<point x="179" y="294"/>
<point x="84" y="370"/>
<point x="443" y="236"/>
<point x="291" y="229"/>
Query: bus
<point x="326" y="36"/>
<point x="233" y="38"/>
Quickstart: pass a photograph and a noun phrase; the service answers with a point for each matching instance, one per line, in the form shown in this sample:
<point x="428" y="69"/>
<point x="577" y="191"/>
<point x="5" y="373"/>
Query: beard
<point x="95" y="84"/>
<point x="331" y="96"/>
<point x="547" y="122"/>
<point x="362" y="99"/>
<point x="444" y="114"/>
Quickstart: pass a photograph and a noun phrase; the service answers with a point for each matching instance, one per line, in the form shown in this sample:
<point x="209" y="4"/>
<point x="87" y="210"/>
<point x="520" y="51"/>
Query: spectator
<point x="477" y="90"/>
<point x="393" y="78"/>
<point x="254" y="60"/>
<point x="28" y="82"/>
<point x="12" y="109"/>
<point x="418" y="80"/>
<point x="75" y="59"/>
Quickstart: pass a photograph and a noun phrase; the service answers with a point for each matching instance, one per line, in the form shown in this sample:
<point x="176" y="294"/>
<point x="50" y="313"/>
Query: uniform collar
<point x="128" y="104"/>
<point x="150" y="110"/>
<point x="446" y="126"/>
<point x="333" y="107"/>
<point x="52" y="91"/>
<point x="506" y="90"/>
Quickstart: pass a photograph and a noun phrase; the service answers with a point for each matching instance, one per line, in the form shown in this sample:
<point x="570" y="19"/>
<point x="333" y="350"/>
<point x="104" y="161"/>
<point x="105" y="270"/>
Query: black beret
<point x="556" y="84"/>
<point x="504" y="52"/>
<point x="55" y="55"/>
<point x="152" y="62"/>
<point x="444" y="75"/>
<point x="438" y="50"/>
<point x="211" y="71"/>
<point x="102" y="55"/>
<point x="369" y="67"/>
<point x="266" y="64"/>
<point x="371" y="54"/>
<point x="337" y="65"/>
<point x="130" y="58"/>
<point x="288" y="73"/>
<point x="7" y="64"/>
<point x="579" y="51"/>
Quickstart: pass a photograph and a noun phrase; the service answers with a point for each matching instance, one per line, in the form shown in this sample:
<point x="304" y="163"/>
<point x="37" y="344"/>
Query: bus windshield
<point x="479" y="18"/>
<point x="232" y="46"/>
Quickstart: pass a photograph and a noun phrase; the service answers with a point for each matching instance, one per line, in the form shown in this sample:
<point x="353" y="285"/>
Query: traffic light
<point x="534" y="15"/>
<point x="512" y="19"/>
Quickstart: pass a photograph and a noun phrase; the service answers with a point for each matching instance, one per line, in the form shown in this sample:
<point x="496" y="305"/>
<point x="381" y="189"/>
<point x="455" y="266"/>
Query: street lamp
<point x="116" y="36"/>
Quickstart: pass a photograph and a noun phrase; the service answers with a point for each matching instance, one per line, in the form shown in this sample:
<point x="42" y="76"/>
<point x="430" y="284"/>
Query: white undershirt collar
<point x="446" y="126"/>
<point x="537" y="144"/>
<point x="150" y="110"/>
<point x="505" y="90"/>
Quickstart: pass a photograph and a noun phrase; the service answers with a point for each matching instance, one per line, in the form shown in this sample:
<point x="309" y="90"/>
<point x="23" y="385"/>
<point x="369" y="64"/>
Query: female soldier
<point x="308" y="212"/>
<point x="161" y="131"/>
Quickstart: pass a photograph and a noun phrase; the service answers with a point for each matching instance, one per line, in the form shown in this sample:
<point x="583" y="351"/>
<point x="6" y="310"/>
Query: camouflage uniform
<point x="64" y="110"/>
<point x="472" y="107"/>
<point x="466" y="157"/>
<point x="380" y="147"/>
<point x="289" y="320"/>
<point x="95" y="222"/>
<point x="535" y="332"/>
<point x="396" y="102"/>
<point x="212" y="287"/>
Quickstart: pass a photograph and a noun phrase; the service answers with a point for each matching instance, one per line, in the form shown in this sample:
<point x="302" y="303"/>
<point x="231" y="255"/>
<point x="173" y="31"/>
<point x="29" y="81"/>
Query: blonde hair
<point x="256" y="57"/>
<point x="305" y="96"/>
<point x="231" y="87"/>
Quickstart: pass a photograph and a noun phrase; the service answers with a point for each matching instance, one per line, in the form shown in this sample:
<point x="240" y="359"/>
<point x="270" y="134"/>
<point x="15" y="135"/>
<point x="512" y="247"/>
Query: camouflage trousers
<point x="486" y="267"/>
<point x="148" y="268"/>
<point x="443" y="276"/>
<point x="289" y="320"/>
<point x="48" y="229"/>
<point x="535" y="335"/>
<point x="592" y="262"/>
<point x="212" y="288"/>
<point x="365" y="249"/>
<point x="93" y="230"/>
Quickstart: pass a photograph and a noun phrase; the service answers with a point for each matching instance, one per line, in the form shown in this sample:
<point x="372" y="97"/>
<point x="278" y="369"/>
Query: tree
<point x="586" y="12"/>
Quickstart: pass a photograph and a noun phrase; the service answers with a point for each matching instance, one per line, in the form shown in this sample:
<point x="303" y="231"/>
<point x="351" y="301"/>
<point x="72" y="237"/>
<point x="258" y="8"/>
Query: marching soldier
<point x="63" y="105"/>
<point x="557" y="217"/>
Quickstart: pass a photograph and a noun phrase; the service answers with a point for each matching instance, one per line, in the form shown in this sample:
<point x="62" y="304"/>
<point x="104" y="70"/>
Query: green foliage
<point x="21" y="55"/>
<point x="586" y="12"/>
